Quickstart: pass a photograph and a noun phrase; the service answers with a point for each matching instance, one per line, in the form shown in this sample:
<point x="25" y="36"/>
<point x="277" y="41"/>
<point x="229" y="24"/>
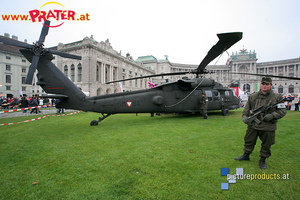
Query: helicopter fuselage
<point x="182" y="96"/>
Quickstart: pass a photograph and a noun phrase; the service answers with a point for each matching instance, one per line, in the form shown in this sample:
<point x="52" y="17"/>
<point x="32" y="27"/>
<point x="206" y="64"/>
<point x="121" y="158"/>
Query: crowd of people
<point x="292" y="103"/>
<point x="24" y="102"/>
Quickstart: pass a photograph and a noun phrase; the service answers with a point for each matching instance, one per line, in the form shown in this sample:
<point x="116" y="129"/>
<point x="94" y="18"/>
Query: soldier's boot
<point x="262" y="163"/>
<point x="245" y="156"/>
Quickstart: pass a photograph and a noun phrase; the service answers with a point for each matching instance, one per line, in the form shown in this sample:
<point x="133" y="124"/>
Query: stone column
<point x="76" y="73"/>
<point x="102" y="78"/>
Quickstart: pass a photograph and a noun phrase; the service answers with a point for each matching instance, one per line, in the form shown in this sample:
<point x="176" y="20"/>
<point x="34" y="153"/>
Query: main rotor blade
<point x="275" y="76"/>
<point x="44" y="32"/>
<point x="63" y="54"/>
<point x="32" y="69"/>
<point x="154" y="75"/>
<point x="226" y="40"/>
<point x="15" y="43"/>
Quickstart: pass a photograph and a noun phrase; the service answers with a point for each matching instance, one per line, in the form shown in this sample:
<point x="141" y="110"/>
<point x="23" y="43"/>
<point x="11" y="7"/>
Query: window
<point x="66" y="70"/>
<point x="123" y="81"/>
<point x="234" y="93"/>
<point x="23" y="60"/>
<point x="23" y="88"/>
<point x="79" y="72"/>
<point x="8" y="68"/>
<point x="8" y="78"/>
<point x="280" y="89"/>
<point x="97" y="73"/>
<point x="72" y="73"/>
<point x="23" y="70"/>
<point x="106" y="74"/>
<point x="209" y="95"/>
<point x="23" y="80"/>
<point x="246" y="88"/>
<point x="216" y="96"/>
<point x="8" y="87"/>
<point x="114" y="75"/>
<point x="227" y="95"/>
<point x="8" y="57"/>
<point x="98" y="91"/>
<point x="291" y="89"/>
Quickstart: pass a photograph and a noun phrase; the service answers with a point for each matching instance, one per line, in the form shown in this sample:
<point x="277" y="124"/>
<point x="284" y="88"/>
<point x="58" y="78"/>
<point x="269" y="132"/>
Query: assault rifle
<point x="260" y="112"/>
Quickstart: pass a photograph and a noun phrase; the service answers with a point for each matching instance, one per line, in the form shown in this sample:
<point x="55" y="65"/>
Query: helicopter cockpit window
<point x="234" y="94"/>
<point x="209" y="95"/>
<point x="216" y="96"/>
<point x="227" y="95"/>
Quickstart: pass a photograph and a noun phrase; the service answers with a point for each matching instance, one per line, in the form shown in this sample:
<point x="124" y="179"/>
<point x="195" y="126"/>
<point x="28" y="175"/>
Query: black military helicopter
<point x="182" y="96"/>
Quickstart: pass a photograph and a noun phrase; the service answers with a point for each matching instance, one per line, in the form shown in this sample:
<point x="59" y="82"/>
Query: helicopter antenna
<point x="220" y="56"/>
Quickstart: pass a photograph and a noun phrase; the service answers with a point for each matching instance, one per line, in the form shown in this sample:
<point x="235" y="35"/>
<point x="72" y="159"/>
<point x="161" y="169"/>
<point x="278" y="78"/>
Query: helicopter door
<point x="214" y="99"/>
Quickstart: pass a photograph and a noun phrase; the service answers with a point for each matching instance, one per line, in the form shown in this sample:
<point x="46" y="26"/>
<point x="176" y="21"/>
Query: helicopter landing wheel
<point x="94" y="123"/>
<point x="225" y="111"/>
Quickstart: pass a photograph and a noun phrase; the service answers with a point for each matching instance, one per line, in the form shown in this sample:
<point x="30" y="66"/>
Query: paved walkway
<point x="43" y="111"/>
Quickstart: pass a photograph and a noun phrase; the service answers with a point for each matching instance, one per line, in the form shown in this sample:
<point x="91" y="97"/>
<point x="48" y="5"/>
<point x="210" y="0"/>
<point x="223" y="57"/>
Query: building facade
<point x="246" y="62"/>
<point x="100" y="63"/>
<point x="239" y="62"/>
<point x="13" y="70"/>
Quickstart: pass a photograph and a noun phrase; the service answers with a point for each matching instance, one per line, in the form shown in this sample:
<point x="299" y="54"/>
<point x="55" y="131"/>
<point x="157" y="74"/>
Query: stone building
<point x="246" y="62"/>
<point x="13" y="70"/>
<point x="100" y="63"/>
<point x="240" y="62"/>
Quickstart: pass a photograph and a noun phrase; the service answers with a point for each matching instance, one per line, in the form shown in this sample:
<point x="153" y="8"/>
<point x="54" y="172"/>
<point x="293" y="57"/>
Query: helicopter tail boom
<point x="54" y="82"/>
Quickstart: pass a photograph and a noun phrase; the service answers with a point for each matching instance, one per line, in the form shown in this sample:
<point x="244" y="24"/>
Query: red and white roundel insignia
<point x="129" y="103"/>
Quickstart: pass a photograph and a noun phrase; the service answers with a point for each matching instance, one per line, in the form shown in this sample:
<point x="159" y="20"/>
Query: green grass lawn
<point x="142" y="157"/>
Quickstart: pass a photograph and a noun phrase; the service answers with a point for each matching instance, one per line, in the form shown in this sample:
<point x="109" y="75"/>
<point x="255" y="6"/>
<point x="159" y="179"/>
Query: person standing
<point x="264" y="126"/>
<point x="296" y="102"/>
<point x="204" y="105"/>
<point x="34" y="104"/>
<point x="24" y="103"/>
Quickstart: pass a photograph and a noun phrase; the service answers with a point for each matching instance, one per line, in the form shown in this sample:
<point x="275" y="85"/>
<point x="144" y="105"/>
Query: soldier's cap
<point x="203" y="94"/>
<point x="266" y="79"/>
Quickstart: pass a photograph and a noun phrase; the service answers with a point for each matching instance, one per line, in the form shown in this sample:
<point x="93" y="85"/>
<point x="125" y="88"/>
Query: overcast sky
<point x="184" y="30"/>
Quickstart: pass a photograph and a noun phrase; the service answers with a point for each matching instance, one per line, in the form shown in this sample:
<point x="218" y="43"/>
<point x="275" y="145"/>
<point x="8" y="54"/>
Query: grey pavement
<point x="43" y="111"/>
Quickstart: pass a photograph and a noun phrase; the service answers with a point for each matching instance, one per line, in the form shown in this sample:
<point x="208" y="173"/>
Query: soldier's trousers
<point x="204" y="113"/>
<point x="267" y="138"/>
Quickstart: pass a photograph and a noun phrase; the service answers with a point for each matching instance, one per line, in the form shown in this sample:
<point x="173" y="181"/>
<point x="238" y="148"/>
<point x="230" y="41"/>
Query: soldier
<point x="204" y="104"/>
<point x="296" y="102"/>
<point x="265" y="125"/>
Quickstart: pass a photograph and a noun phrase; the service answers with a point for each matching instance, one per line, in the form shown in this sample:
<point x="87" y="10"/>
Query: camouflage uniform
<point x="204" y="105"/>
<point x="265" y="130"/>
